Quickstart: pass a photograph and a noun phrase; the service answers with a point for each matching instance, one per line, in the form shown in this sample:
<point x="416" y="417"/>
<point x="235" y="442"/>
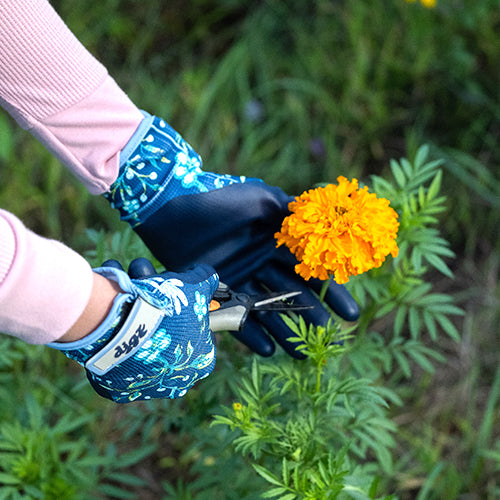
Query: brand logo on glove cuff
<point x="141" y="322"/>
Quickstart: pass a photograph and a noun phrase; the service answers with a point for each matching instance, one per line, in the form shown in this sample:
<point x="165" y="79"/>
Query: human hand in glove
<point x="155" y="341"/>
<point x="186" y="216"/>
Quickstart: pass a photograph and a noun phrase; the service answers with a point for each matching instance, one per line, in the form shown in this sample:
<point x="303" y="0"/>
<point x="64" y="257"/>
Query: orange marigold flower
<point x="339" y="229"/>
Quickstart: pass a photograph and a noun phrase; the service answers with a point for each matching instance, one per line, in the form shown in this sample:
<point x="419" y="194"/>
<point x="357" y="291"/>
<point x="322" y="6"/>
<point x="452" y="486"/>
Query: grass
<point x="298" y="93"/>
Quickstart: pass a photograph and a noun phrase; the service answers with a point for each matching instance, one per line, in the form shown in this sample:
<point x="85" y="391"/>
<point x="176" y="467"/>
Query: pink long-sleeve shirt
<point x="55" y="89"/>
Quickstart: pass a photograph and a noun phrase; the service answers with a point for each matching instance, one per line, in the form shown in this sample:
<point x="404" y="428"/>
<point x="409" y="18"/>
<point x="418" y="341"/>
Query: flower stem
<point x="319" y="372"/>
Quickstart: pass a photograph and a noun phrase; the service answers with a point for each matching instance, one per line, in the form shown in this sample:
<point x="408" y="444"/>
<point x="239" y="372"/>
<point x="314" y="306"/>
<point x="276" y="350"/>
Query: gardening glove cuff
<point x="155" y="342"/>
<point x="157" y="165"/>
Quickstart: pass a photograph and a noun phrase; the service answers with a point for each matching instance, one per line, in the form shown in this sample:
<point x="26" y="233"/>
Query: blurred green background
<point x="298" y="92"/>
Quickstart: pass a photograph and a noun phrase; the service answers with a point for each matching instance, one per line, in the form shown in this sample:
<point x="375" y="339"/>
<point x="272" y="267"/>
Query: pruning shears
<point x="229" y="310"/>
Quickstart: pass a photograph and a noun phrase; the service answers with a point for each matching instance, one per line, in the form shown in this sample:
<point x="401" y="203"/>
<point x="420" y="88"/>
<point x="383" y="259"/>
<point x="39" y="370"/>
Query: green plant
<point x="400" y="294"/>
<point x="41" y="459"/>
<point x="320" y="428"/>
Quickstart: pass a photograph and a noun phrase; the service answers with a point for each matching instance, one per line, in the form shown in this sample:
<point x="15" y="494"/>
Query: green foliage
<point x="312" y="427"/>
<point x="400" y="289"/>
<point x="297" y="93"/>
<point x="40" y="459"/>
<point x="312" y="421"/>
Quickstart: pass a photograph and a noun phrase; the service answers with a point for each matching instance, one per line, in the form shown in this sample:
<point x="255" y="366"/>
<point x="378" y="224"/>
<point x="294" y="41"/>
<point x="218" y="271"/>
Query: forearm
<point x="45" y="286"/>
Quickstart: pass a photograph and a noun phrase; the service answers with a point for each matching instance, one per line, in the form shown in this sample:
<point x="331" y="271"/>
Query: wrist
<point x="104" y="292"/>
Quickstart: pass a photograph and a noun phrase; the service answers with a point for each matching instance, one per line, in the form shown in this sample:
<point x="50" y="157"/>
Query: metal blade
<point x="277" y="302"/>
<point x="276" y="298"/>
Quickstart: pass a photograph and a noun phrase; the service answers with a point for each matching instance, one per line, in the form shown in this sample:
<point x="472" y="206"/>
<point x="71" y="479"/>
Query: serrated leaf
<point x="448" y="326"/>
<point x="416" y="260"/>
<point x="122" y="477"/>
<point x="403" y="363"/>
<point x="399" y="320"/>
<point x="9" y="479"/>
<point x="385" y="309"/>
<point x="427" y="248"/>
<point x="421" y="196"/>
<point x="413" y="204"/>
<point x="274" y="492"/>
<point x="448" y="309"/>
<point x="421" y="156"/>
<point x="414" y="322"/>
<point x="290" y="496"/>
<point x="418" y="291"/>
<point x="115" y="492"/>
<point x="439" y="264"/>
<point x="255" y="376"/>
<point x="268" y="476"/>
<point x="421" y="360"/>
<point x="135" y="456"/>
<point x="407" y="167"/>
<point x="435" y="186"/>
<point x="398" y="173"/>
<point x="285" y="471"/>
<point x="430" y="324"/>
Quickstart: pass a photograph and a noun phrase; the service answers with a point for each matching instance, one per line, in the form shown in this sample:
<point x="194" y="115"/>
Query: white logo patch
<point x="141" y="323"/>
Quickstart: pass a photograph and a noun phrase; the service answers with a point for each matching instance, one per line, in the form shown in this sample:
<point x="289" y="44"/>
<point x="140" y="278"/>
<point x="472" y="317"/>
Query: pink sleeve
<point x="44" y="285"/>
<point x="57" y="90"/>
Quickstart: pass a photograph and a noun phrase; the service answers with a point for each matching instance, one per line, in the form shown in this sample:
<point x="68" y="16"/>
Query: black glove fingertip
<point x="112" y="263"/>
<point x="141" y="268"/>
<point x="342" y="302"/>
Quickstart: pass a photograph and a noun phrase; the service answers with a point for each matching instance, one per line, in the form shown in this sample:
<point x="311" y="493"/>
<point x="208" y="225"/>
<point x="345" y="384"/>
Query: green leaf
<point x="439" y="264"/>
<point x="256" y="380"/>
<point x="448" y="326"/>
<point x="399" y="320"/>
<point x="9" y="479"/>
<point x="407" y="167"/>
<point x="426" y="490"/>
<point x="385" y="309"/>
<point x="414" y="322"/>
<point x="421" y="360"/>
<point x="268" y="476"/>
<point x="403" y="363"/>
<point x="274" y="492"/>
<point x="430" y="324"/>
<point x="427" y="248"/>
<point x="421" y="156"/>
<point x="115" y="492"/>
<point x="135" y="456"/>
<point x="122" y="477"/>
<point x="398" y="173"/>
<point x="435" y="186"/>
<point x="285" y="471"/>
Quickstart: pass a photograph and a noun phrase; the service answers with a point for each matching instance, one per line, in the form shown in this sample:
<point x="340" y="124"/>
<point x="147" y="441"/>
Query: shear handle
<point x="229" y="310"/>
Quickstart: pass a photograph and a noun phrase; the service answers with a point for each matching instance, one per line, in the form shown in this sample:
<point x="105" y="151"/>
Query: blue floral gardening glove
<point x="187" y="216"/>
<point x="155" y="342"/>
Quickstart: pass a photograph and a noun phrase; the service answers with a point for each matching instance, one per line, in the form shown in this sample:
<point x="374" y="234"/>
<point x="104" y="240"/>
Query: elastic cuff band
<point x="135" y="140"/>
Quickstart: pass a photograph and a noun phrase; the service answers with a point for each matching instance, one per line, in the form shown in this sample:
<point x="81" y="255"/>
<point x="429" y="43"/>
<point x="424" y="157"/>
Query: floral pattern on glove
<point x="179" y="352"/>
<point x="162" y="166"/>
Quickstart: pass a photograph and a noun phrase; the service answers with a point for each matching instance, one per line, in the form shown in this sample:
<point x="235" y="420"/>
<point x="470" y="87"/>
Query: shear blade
<point x="276" y="303"/>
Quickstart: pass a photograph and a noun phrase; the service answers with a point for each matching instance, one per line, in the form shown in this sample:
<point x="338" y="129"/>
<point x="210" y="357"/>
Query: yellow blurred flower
<point x="339" y="229"/>
<point x="237" y="407"/>
<point x="430" y="4"/>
